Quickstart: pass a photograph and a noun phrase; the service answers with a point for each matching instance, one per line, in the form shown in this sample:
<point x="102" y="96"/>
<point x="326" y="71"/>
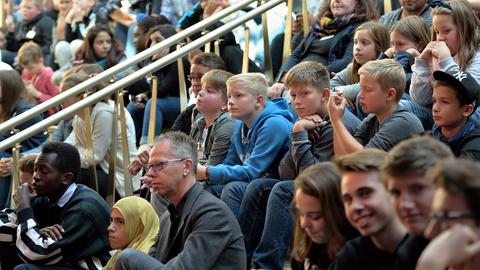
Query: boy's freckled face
<point x="446" y="107"/>
<point x="372" y="97"/>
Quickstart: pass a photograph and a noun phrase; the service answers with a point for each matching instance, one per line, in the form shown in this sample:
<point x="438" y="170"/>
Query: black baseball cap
<point x="461" y="81"/>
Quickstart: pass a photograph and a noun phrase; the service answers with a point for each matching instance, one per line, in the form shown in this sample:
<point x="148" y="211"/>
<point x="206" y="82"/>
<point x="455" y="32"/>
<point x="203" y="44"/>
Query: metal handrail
<point x="109" y="90"/>
<point x="80" y="88"/>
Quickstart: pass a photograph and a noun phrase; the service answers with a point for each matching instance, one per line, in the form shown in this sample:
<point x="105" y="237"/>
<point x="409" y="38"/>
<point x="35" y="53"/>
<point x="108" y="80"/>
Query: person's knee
<point x="283" y="190"/>
<point x="259" y="188"/>
<point x="234" y="189"/>
<point x="125" y="257"/>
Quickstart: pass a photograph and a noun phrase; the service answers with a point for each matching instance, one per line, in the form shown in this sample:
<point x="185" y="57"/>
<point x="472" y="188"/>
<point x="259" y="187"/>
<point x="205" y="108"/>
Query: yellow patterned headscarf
<point x="141" y="225"/>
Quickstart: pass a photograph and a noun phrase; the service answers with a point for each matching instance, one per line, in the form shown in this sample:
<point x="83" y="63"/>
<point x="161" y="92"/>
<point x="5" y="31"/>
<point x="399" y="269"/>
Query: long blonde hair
<point x="467" y="26"/>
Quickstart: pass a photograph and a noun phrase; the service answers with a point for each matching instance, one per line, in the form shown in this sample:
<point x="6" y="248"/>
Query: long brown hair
<point x="87" y="53"/>
<point x="467" y="26"/>
<point x="381" y="38"/>
<point x="12" y="89"/>
<point x="322" y="181"/>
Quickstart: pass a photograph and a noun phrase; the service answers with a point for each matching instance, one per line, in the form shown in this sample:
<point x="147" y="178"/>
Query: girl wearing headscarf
<point x="133" y="224"/>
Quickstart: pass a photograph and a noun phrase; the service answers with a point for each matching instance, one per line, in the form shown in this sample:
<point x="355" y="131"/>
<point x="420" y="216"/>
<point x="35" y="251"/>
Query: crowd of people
<point x="362" y="155"/>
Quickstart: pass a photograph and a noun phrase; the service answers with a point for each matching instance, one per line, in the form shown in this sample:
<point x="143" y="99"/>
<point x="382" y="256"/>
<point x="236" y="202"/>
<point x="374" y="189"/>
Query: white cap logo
<point x="460" y="75"/>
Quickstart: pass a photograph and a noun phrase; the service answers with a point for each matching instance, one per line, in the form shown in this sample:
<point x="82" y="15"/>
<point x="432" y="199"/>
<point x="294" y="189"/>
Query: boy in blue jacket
<point x="258" y="143"/>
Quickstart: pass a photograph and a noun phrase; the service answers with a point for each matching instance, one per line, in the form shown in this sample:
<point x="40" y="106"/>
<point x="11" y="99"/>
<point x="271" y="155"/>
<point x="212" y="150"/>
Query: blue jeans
<point x="266" y="222"/>
<point x="231" y="194"/>
<point x="251" y="216"/>
<point x="167" y="108"/>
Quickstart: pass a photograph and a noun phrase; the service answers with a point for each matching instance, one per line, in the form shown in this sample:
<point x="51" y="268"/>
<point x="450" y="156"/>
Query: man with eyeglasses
<point x="455" y="219"/>
<point x="404" y="172"/>
<point x="198" y="231"/>
<point x="200" y="65"/>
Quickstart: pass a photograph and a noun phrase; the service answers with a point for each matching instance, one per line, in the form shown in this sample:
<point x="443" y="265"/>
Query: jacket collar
<point x="34" y="20"/>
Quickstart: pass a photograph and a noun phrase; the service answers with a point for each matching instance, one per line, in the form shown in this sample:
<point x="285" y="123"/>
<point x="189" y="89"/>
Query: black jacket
<point x="38" y="30"/>
<point x="468" y="146"/>
<point x="183" y="122"/>
<point x="341" y="49"/>
<point x="78" y="30"/>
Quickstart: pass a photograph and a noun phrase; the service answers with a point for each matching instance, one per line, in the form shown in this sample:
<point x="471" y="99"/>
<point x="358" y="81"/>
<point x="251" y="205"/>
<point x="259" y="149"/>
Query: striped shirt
<point x="84" y="218"/>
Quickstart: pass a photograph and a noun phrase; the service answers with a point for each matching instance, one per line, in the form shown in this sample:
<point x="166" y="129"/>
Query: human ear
<point x="468" y="110"/>
<point x="67" y="179"/>
<point x="188" y="167"/>
<point x="325" y="94"/>
<point x="391" y="94"/>
<point x="261" y="100"/>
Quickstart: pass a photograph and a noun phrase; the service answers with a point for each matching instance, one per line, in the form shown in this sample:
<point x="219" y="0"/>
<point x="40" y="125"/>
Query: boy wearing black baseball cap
<point x="456" y="95"/>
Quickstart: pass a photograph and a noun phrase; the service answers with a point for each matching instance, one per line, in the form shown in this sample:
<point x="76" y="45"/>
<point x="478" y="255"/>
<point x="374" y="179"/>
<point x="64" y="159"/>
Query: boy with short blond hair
<point x="259" y="140"/>
<point x="37" y="77"/>
<point x="456" y="95"/>
<point x="382" y="83"/>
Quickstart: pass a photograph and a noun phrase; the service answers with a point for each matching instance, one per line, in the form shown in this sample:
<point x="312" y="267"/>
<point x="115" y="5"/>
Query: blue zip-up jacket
<point x="258" y="153"/>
